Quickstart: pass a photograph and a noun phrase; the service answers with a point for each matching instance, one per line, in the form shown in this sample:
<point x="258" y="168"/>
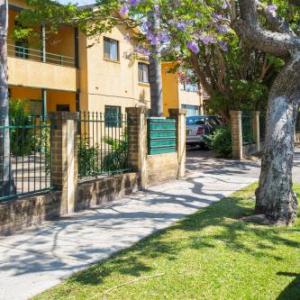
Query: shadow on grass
<point x="292" y="291"/>
<point x="191" y="233"/>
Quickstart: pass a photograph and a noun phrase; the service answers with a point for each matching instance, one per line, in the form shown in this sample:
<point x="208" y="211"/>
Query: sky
<point x="80" y="2"/>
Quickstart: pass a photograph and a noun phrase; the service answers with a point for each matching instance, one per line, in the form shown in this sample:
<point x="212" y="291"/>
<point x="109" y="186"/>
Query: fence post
<point x="180" y="116"/>
<point x="256" y="129"/>
<point x="137" y="142"/>
<point x="64" y="161"/>
<point x="236" y="134"/>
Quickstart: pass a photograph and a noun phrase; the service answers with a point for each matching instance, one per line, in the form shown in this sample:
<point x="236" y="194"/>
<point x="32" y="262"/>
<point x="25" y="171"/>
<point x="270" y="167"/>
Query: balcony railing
<point x="37" y="55"/>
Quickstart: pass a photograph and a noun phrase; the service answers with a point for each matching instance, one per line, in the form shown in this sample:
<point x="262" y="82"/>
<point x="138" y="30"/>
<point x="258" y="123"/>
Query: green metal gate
<point x="161" y="136"/>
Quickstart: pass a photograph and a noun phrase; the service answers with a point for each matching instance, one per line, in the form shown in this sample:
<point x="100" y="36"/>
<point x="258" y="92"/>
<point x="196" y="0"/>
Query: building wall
<point x="173" y="95"/>
<point x="109" y="82"/>
<point x="170" y="87"/>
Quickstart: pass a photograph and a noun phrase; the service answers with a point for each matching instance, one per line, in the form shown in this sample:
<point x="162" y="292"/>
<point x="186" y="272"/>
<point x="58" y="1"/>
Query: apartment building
<point x="180" y="95"/>
<point x="67" y="71"/>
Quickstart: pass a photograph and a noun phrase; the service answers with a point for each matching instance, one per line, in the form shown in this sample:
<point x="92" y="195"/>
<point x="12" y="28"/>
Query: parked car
<point x="198" y="127"/>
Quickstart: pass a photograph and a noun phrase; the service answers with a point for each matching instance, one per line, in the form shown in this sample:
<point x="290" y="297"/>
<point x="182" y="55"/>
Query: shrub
<point x="87" y="159"/>
<point x="220" y="142"/>
<point x="21" y="135"/>
<point x="117" y="159"/>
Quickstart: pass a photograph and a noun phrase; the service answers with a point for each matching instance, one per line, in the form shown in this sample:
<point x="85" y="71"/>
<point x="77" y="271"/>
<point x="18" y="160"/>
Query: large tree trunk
<point x="275" y="197"/>
<point x="155" y="76"/>
<point x="5" y="170"/>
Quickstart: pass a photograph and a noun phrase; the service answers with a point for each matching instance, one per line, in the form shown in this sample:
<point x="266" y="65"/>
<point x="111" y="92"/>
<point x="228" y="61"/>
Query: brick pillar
<point x="236" y="134"/>
<point x="137" y="142"/>
<point x="64" y="164"/>
<point x="256" y="129"/>
<point x="180" y="116"/>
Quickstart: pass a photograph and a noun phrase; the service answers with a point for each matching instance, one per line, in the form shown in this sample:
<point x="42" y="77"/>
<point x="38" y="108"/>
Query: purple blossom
<point x="153" y="39"/>
<point x="193" y="46"/>
<point x="222" y="29"/>
<point x="142" y="50"/>
<point x="272" y="9"/>
<point x="164" y="37"/>
<point x="124" y="10"/>
<point x="223" y="45"/>
<point x="134" y="2"/>
<point x="224" y="5"/>
<point x="207" y="39"/>
<point x="181" y="26"/>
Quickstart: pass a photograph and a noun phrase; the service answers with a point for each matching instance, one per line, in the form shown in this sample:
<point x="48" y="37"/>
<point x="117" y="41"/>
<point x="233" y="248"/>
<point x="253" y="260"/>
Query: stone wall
<point x="21" y="213"/>
<point x="25" y="212"/>
<point x="161" y="168"/>
<point x="97" y="192"/>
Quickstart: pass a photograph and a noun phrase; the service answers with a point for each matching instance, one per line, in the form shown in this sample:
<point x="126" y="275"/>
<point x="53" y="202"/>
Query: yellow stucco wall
<point x="173" y="95"/>
<point x="170" y="87"/>
<point x="58" y="97"/>
<point x="32" y="72"/>
<point x="113" y="83"/>
<point x="53" y="97"/>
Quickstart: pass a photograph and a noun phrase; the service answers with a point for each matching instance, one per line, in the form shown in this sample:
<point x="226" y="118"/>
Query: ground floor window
<point x="112" y="116"/>
<point x="62" y="107"/>
<point x="192" y="110"/>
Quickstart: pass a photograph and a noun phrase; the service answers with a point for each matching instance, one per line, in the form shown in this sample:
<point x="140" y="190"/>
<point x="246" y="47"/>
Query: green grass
<point x="209" y="255"/>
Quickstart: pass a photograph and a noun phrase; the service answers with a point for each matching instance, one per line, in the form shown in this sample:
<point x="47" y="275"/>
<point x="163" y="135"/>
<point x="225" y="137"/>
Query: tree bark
<point x="155" y="76"/>
<point x="275" y="197"/>
<point x="5" y="170"/>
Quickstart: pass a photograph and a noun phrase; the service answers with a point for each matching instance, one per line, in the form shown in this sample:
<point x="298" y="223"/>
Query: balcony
<point x="36" y="68"/>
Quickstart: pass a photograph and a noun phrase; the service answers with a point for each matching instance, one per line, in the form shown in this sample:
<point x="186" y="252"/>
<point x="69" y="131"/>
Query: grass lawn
<point x="209" y="255"/>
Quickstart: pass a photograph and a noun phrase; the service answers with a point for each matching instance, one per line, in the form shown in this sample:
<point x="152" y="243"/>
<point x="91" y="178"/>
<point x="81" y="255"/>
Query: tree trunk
<point x="275" y="197"/>
<point x="155" y="76"/>
<point x="5" y="170"/>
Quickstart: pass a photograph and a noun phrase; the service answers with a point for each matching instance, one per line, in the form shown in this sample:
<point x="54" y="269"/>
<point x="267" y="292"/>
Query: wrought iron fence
<point x="247" y="127"/>
<point x="37" y="55"/>
<point x="103" y="144"/>
<point x="24" y="165"/>
<point x="262" y="124"/>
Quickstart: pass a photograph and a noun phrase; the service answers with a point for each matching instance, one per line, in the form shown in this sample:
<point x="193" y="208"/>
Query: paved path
<point x="38" y="259"/>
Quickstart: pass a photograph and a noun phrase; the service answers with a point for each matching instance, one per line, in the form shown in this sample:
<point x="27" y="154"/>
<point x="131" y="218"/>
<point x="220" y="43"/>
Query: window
<point x="111" y="49"/>
<point x="62" y="107"/>
<point x="143" y="73"/>
<point x="21" y="49"/>
<point x="192" y="110"/>
<point x="112" y="116"/>
<point x="189" y="87"/>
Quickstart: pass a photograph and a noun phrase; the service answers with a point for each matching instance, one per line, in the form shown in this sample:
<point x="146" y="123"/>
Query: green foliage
<point x="117" y="159"/>
<point x="21" y="135"/>
<point x="87" y="159"/>
<point x="220" y="142"/>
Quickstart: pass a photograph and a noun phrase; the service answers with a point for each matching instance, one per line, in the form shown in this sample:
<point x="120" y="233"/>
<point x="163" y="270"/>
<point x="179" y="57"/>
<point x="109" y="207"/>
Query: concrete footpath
<point x="38" y="259"/>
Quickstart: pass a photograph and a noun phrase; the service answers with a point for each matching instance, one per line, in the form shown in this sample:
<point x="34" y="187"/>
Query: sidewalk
<point x="38" y="259"/>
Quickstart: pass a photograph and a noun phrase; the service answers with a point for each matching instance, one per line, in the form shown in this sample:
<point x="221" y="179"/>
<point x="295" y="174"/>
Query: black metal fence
<point x="25" y="164"/>
<point x="103" y="144"/>
<point x="247" y="127"/>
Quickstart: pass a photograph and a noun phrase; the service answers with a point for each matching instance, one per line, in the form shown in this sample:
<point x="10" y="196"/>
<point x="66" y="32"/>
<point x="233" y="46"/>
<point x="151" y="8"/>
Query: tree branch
<point x="194" y="61"/>
<point x="248" y="28"/>
<point x="277" y="23"/>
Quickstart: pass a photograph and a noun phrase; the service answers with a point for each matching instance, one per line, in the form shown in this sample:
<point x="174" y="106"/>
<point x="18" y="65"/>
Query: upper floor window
<point x="111" y="49"/>
<point x="189" y="87"/>
<point x="143" y="73"/>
